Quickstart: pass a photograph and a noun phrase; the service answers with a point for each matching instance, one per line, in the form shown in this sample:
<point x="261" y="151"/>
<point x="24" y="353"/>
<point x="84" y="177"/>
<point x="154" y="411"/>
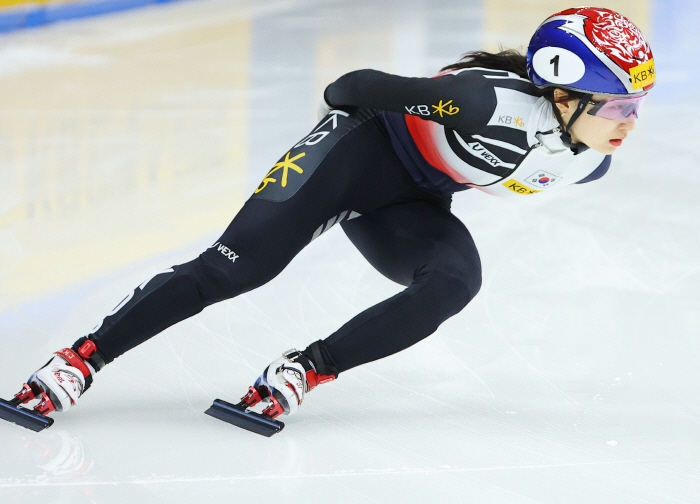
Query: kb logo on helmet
<point x="643" y="75"/>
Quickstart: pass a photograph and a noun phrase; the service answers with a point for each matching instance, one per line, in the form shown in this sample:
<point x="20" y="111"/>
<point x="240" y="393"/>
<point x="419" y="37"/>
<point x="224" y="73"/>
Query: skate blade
<point x="24" y="417"/>
<point x="248" y="420"/>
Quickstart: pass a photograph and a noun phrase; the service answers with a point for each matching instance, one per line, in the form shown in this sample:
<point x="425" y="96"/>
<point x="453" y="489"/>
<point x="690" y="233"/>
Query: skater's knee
<point x="458" y="288"/>
<point x="220" y="273"/>
<point x="469" y="275"/>
<point x="452" y="286"/>
<point x="215" y="282"/>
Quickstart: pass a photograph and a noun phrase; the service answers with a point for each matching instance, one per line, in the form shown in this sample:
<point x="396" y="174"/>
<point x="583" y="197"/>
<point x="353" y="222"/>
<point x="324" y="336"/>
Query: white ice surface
<point x="129" y="141"/>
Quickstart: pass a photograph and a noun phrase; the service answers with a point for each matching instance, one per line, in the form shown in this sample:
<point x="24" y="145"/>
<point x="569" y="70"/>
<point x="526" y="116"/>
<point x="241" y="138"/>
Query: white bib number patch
<point x="558" y="65"/>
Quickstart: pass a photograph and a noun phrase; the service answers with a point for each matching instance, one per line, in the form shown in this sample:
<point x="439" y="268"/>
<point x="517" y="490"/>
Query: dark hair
<point x="509" y="60"/>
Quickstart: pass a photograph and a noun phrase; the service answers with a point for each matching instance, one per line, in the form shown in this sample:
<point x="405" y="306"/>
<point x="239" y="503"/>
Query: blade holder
<point x="24" y="396"/>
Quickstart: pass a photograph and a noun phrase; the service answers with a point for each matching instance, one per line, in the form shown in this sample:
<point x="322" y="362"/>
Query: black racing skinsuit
<point x="345" y="171"/>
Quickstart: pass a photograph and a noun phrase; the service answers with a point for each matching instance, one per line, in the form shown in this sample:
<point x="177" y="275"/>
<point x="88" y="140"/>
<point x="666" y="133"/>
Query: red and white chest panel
<point x="517" y="153"/>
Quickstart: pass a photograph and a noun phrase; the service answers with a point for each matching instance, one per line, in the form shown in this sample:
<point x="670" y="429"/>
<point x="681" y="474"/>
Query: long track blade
<point x="24" y="417"/>
<point x="248" y="420"/>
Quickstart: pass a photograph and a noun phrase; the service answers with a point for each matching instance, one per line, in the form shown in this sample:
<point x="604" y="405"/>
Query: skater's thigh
<point x="401" y="240"/>
<point x="345" y="166"/>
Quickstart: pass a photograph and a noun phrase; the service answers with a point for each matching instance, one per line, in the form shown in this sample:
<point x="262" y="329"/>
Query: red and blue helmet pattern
<point x="591" y="49"/>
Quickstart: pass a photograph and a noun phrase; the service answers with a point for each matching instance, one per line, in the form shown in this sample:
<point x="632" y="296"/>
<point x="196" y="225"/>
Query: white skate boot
<point x="61" y="382"/>
<point x="286" y="381"/>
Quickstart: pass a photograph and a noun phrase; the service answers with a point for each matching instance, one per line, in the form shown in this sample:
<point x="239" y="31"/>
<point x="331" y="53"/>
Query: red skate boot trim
<point x="25" y="395"/>
<point x="74" y="360"/>
<point x="252" y="397"/>
<point x="45" y="406"/>
<point x="313" y="379"/>
<point x="291" y="387"/>
<point x="87" y="349"/>
<point x="274" y="410"/>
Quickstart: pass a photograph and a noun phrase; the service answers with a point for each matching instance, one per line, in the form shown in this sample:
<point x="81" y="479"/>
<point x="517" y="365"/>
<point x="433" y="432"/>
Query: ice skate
<point x="282" y="387"/>
<point x="57" y="386"/>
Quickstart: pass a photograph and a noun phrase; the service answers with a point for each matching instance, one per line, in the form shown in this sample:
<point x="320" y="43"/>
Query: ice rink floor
<point x="127" y="144"/>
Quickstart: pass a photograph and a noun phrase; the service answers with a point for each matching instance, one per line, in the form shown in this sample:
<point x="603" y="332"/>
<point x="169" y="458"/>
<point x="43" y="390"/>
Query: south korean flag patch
<point x="542" y="179"/>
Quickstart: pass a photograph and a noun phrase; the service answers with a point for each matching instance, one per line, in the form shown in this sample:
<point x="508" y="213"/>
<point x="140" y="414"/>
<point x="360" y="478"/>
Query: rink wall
<point x="19" y="14"/>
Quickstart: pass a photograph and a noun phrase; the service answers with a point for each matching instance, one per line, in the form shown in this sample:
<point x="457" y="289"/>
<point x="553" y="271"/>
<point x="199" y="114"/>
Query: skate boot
<point x="57" y="385"/>
<point x="61" y="382"/>
<point x="282" y="387"/>
<point x="286" y="381"/>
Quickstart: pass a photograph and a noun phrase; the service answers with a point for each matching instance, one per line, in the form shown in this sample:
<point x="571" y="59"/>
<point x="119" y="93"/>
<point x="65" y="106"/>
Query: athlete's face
<point x="600" y="134"/>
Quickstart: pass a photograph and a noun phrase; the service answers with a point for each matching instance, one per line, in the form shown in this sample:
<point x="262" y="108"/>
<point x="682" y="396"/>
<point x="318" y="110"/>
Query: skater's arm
<point x="464" y="101"/>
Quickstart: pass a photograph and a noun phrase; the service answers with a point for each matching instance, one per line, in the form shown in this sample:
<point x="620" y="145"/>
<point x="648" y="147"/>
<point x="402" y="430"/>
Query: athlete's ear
<point x="561" y="101"/>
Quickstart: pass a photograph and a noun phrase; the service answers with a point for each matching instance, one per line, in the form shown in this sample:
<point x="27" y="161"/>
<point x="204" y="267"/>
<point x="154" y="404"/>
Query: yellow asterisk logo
<point x="519" y="122"/>
<point x="440" y="108"/>
<point x="285" y="165"/>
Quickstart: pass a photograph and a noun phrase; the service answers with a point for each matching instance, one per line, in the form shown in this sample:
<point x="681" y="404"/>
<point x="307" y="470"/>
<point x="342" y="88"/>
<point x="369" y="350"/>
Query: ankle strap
<point x="87" y="349"/>
<point x="318" y="353"/>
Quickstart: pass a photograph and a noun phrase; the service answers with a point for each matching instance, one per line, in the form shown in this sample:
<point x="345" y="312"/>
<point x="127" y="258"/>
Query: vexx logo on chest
<point x="478" y="150"/>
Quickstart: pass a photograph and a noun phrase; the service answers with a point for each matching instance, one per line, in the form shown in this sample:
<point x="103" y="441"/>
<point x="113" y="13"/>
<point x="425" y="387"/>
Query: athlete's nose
<point x="628" y="124"/>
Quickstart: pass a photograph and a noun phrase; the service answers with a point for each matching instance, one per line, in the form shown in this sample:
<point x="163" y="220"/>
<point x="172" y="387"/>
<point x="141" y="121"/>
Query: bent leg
<point x="420" y="245"/>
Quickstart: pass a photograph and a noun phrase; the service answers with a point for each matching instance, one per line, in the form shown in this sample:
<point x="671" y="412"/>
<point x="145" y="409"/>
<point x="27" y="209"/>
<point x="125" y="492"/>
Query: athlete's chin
<point x="605" y="149"/>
